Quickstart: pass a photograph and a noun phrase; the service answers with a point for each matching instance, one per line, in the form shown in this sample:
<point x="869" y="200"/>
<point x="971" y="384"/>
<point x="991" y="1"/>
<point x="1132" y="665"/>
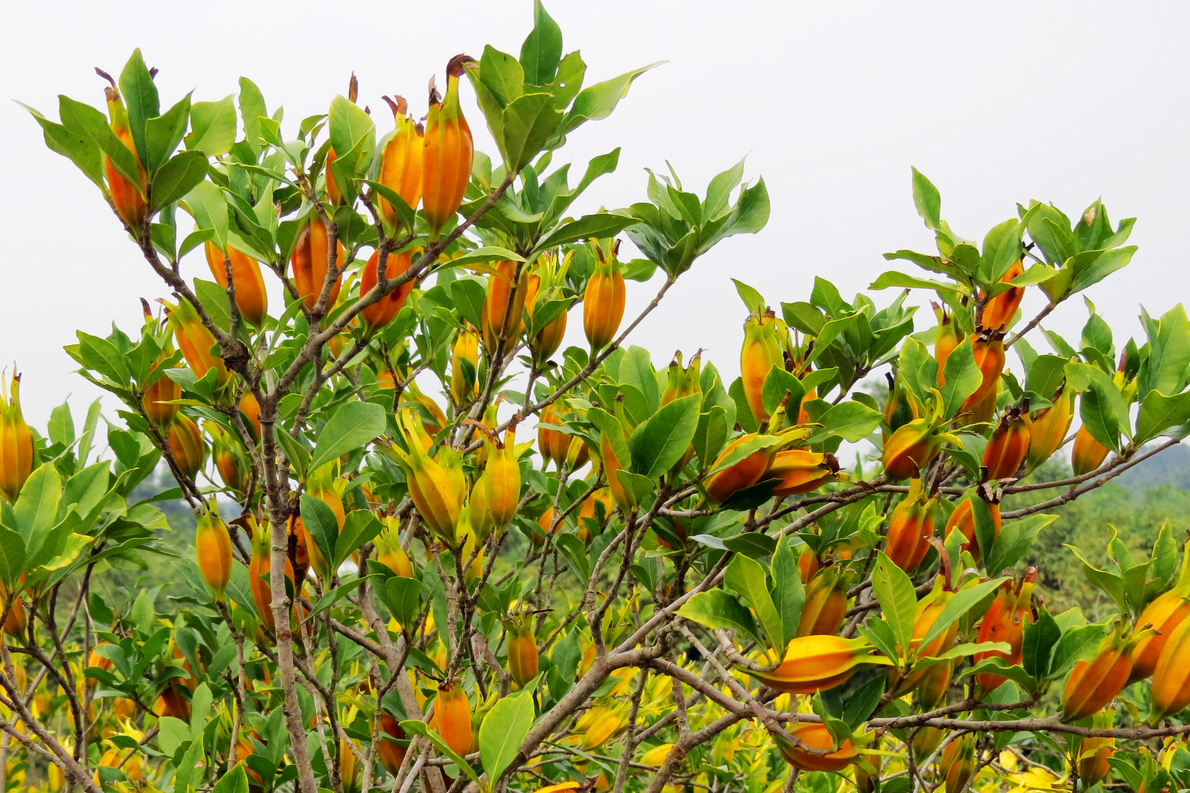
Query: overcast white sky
<point x="833" y="102"/>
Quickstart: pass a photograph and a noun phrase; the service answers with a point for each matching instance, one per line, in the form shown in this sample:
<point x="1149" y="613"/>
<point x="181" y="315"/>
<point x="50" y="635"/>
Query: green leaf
<point x="753" y="544"/>
<point x="528" y="123"/>
<point x="718" y="609"/>
<point x="164" y="133"/>
<point x="1169" y="352"/>
<point x="638" y="486"/>
<point x="963" y="378"/>
<point x="12" y="556"/>
<point x="213" y="127"/>
<point x="711" y="434"/>
<point x="927" y="200"/>
<point x="193" y="766"/>
<point x="502" y="731"/>
<point x="87" y="121"/>
<point x="918" y="368"/>
<point x="353" y="425"/>
<point x="214" y="299"/>
<point x="599" y="100"/>
<point x="502" y="76"/>
<point x="1075" y="645"/>
<point x="658" y="444"/>
<point x="75" y="145"/>
<point x="598" y="226"/>
<point x="748" y="578"/>
<point x="719" y="190"/>
<point x="349" y="127"/>
<point x="36" y="509"/>
<point x="338" y="593"/>
<point x="1158" y="413"/>
<point x="569" y="80"/>
<point x="177" y="178"/>
<point x="894" y="592"/>
<point x="1101" y="407"/>
<point x="788" y="593"/>
<point x="140" y="95"/>
<point x="482" y="256"/>
<point x="576" y="552"/>
<point x="61" y="426"/>
<point x="172" y="733"/>
<point x="777" y="384"/>
<point x="962" y="602"/>
<point x="852" y="421"/>
<point x="419" y="728"/>
<point x="753" y="300"/>
<point x="320" y="521"/>
<point x="200" y="707"/>
<point x="1099" y="267"/>
<point x="404" y="598"/>
<point x="208" y="207"/>
<point x="234" y="781"/>
<point x="996" y="665"/>
<point x="252" y="109"/>
<point x="359" y="527"/>
<point x="1037" y="647"/>
<point x="749" y="215"/>
<point x="542" y="49"/>
<point x="609" y="427"/>
<point x="895" y="278"/>
<point x="1015" y="539"/>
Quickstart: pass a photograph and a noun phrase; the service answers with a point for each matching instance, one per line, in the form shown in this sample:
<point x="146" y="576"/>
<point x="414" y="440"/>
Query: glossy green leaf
<point x="1159" y="413"/>
<point x="75" y="145"/>
<point x="177" y="178"/>
<point x="598" y="226"/>
<point x="353" y="425"/>
<point x="322" y="525"/>
<point x="746" y="577"/>
<point x="852" y="421"/>
<point x="87" y="121"/>
<point x="542" y="50"/>
<point x="164" y="134"/>
<point x="502" y="731"/>
<point x="1037" y="646"/>
<point x="894" y="592"/>
<point x="404" y="598"/>
<point x="213" y="127"/>
<point x="599" y="100"/>
<point x="420" y="728"/>
<point x="718" y="609"/>
<point x="962" y="602"/>
<point x="658" y="444"/>
<point x="927" y="200"/>
<point x="788" y="593"/>
<point x="963" y="377"/>
<point x="359" y="528"/>
<point x="1015" y="539"/>
<point x="140" y="97"/>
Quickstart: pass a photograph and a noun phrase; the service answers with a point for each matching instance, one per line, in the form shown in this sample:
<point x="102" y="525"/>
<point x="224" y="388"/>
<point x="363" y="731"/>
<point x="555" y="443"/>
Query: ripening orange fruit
<point x="128" y="198"/>
<point x="999" y="310"/>
<point x="402" y="164"/>
<point x="603" y="302"/>
<point x="251" y="298"/>
<point x="311" y="264"/>
<point x="452" y="717"/>
<point x="816" y="736"/>
<point x="16" y="442"/>
<point x="449" y="152"/>
<point x="1009" y="444"/>
<point x="385" y="310"/>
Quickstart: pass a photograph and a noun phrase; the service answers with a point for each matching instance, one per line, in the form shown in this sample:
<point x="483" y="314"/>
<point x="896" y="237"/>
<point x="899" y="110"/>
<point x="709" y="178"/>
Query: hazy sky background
<point x="832" y="102"/>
